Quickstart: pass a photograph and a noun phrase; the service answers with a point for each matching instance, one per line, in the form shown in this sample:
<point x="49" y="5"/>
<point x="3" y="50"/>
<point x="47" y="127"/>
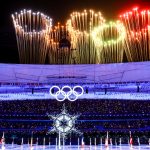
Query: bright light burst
<point x="84" y="39"/>
<point x="109" y="40"/>
<point x="80" y="27"/>
<point x="137" y="24"/>
<point x="32" y="29"/>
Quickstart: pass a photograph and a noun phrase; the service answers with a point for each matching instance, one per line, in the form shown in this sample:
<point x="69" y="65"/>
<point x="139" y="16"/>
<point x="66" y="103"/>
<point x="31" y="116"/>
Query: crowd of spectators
<point x="80" y="106"/>
<point x="96" y="117"/>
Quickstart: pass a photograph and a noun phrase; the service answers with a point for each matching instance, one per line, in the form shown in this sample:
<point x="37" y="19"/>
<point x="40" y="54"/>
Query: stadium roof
<point x="101" y="73"/>
<point x="130" y="81"/>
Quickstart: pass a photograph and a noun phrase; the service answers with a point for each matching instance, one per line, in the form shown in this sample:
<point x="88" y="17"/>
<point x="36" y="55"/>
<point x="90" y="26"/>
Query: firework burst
<point x="32" y="29"/>
<point x="60" y="50"/>
<point x="80" y="27"/>
<point x="137" y="24"/>
<point x="109" y="40"/>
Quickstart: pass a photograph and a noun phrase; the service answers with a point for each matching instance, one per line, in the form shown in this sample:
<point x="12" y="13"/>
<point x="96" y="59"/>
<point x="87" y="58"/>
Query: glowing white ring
<point x="80" y="88"/>
<point x="76" y="94"/>
<point x="72" y="100"/>
<point x="63" y="93"/>
<point x="57" y="93"/>
<point x="50" y="91"/>
<point x="66" y="94"/>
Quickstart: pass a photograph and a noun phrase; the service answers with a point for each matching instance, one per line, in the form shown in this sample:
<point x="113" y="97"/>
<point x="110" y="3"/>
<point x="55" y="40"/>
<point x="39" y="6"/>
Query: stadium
<point x="115" y="101"/>
<point x="82" y="85"/>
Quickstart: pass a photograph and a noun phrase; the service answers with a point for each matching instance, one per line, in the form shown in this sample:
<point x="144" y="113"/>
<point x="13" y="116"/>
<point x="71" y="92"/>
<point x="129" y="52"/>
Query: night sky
<point x="60" y="11"/>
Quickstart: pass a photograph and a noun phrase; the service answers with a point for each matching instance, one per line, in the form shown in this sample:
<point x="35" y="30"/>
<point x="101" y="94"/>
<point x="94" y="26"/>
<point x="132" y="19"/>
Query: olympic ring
<point x="66" y="94"/>
<point x="98" y="31"/>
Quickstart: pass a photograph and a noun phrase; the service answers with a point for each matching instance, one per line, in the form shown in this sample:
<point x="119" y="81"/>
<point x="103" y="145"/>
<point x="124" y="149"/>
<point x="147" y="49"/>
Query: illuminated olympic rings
<point x="97" y="34"/>
<point x="66" y="94"/>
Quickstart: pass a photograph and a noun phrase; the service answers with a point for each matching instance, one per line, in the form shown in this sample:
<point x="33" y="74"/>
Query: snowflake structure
<point x="64" y="123"/>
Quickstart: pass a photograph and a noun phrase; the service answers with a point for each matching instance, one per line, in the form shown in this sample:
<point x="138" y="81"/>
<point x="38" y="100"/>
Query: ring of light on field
<point x="98" y="39"/>
<point x="66" y="95"/>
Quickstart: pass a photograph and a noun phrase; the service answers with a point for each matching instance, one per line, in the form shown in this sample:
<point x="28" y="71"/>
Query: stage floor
<point x="74" y="147"/>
